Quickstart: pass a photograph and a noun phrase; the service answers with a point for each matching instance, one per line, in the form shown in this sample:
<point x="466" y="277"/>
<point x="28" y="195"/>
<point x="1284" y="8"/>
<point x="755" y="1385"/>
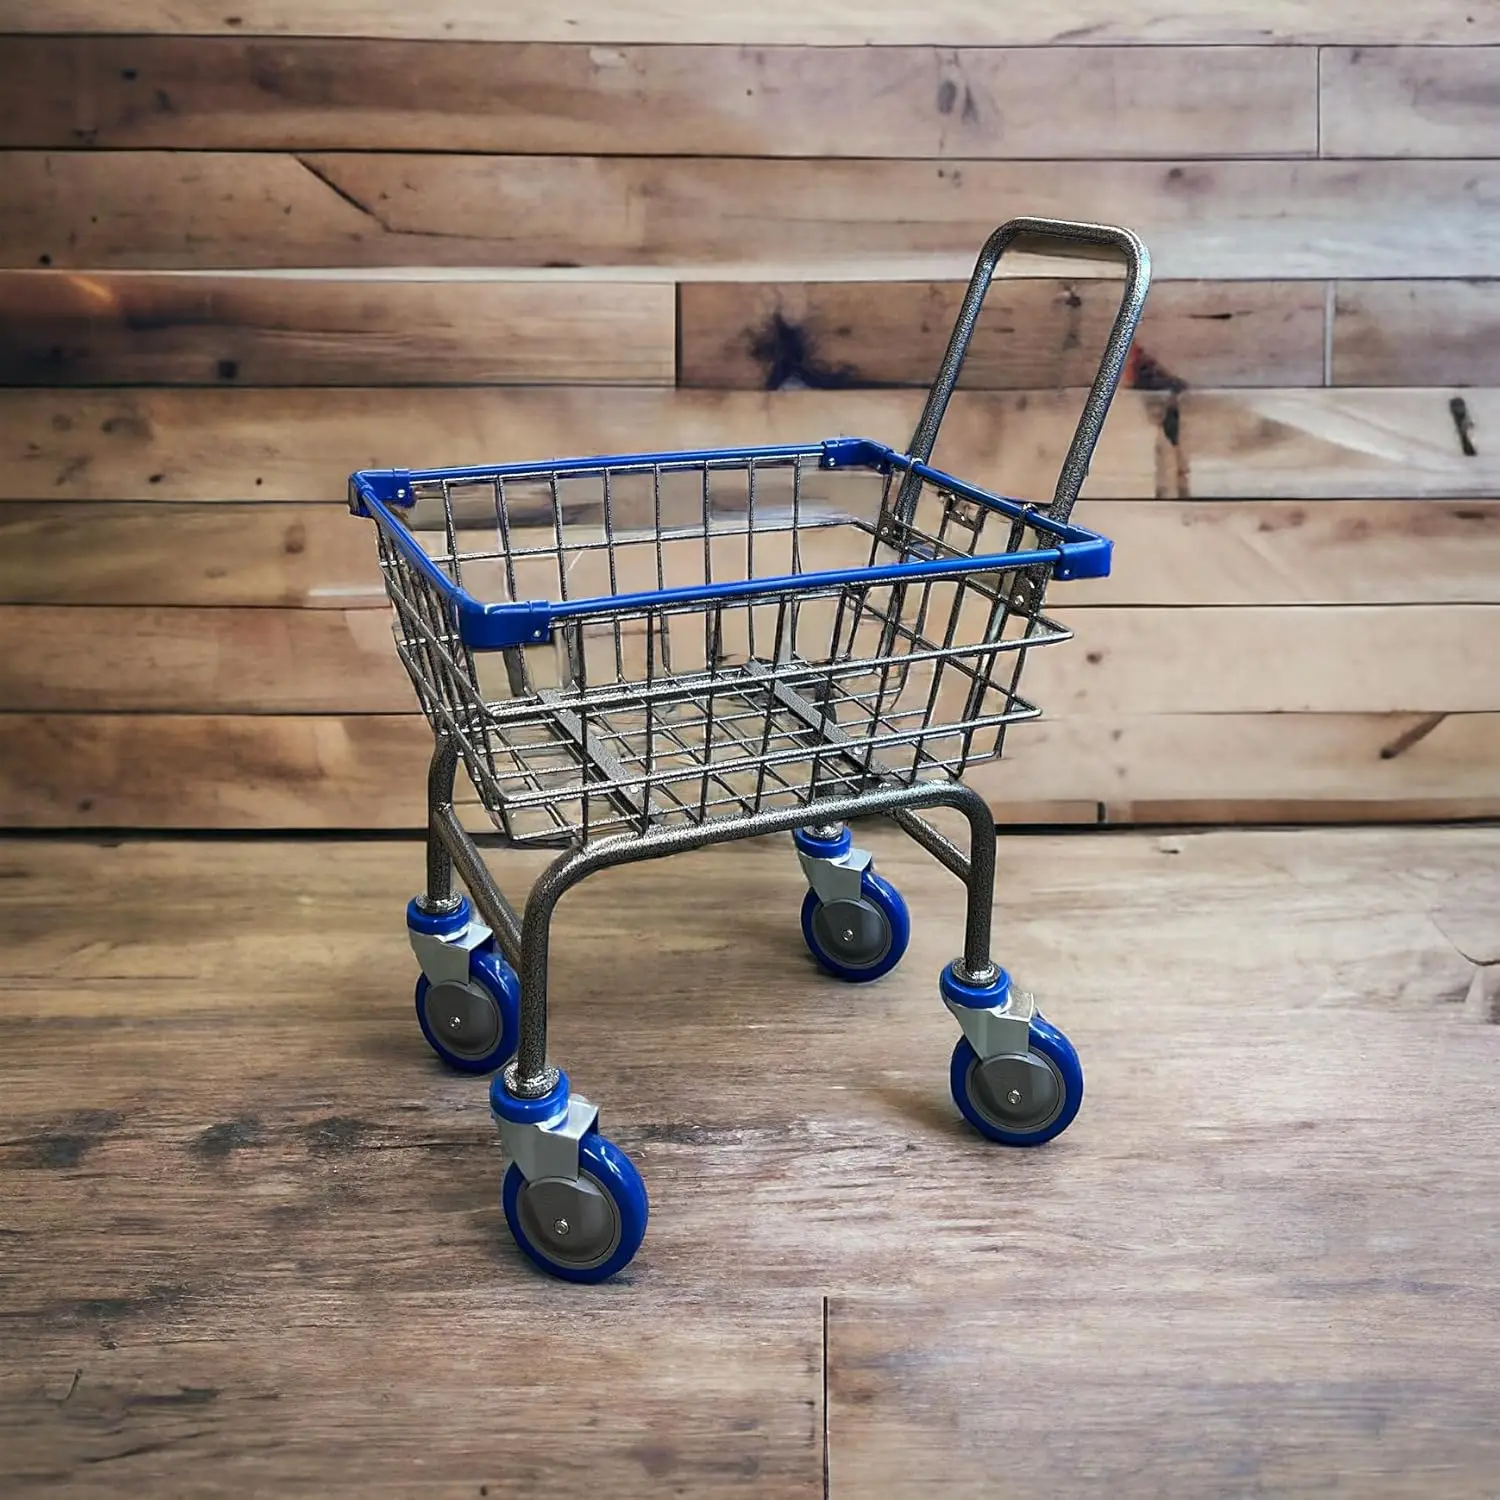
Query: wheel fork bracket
<point x="998" y="1030"/>
<point x="445" y="957"/>
<point x="837" y="879"/>
<point x="549" y="1148"/>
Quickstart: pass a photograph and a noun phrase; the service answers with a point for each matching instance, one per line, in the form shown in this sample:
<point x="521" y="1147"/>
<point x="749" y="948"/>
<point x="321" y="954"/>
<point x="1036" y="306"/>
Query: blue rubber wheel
<point x="474" y="1026"/>
<point x="1019" y="1101"/>
<point x="584" y="1231"/>
<point x="858" y="940"/>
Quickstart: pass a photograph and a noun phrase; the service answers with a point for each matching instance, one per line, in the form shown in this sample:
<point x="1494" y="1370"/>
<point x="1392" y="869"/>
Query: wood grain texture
<point x="1287" y="659"/>
<point x="1293" y="552"/>
<point x="820" y="22"/>
<point x="153" y="329"/>
<point x="1416" y="333"/>
<point x="1221" y="219"/>
<point x="315" y="556"/>
<point x="278" y="445"/>
<point x="1295" y="1381"/>
<point x="232" y="93"/>
<point x="1166" y="553"/>
<point x="1033" y="334"/>
<point x="89" y="770"/>
<point x="263" y="771"/>
<point x="1338" y="442"/>
<point x="1410" y="101"/>
<point x="230" y="1170"/>
<point x="1277" y="767"/>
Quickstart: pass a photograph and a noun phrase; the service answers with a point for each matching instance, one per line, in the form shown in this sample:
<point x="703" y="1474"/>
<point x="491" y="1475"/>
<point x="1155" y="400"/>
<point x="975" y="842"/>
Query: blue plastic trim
<point x="971" y="996"/>
<point x="488" y="969"/>
<point x="823" y="848"/>
<point x="1051" y="1043"/>
<point x="550" y="1107"/>
<point x="857" y="453"/>
<point x="616" y="1174"/>
<point x="439" y="924"/>
<point x="879" y="893"/>
<point x="487" y="627"/>
<point x="386" y="487"/>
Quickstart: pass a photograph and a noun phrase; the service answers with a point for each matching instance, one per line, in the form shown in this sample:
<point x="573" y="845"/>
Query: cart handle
<point x="1044" y="237"/>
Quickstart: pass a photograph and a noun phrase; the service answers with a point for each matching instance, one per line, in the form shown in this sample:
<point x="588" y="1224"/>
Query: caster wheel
<point x="1016" y="1100"/>
<point x="858" y="940"/>
<point x="474" y="1026"/>
<point x="584" y="1230"/>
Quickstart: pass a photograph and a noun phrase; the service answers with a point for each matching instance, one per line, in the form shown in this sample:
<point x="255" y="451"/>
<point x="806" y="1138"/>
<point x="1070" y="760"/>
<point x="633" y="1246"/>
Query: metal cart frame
<point x="573" y="1199"/>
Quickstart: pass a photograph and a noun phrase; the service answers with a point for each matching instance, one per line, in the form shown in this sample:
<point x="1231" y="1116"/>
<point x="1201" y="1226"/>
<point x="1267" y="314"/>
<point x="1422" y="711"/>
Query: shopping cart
<point x="684" y="648"/>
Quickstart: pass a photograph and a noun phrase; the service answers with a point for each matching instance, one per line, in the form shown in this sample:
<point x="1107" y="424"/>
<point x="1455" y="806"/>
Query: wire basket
<point x="723" y="632"/>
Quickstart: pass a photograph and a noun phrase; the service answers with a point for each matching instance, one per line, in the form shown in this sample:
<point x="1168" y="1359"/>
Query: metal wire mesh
<point x="643" y="712"/>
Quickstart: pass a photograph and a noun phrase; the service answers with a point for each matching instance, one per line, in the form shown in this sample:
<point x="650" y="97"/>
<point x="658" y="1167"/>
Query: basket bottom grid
<point x="754" y="741"/>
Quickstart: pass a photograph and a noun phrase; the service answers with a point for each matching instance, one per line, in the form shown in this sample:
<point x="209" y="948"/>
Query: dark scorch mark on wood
<point x="221" y="1140"/>
<point x="69" y="1141"/>
<point x="1458" y="409"/>
<point x="790" y="359"/>
<point x="1409" y="737"/>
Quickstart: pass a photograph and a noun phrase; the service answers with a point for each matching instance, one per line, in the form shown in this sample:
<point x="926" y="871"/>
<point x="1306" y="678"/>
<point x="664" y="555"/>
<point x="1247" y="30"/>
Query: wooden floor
<point x="250" y="1240"/>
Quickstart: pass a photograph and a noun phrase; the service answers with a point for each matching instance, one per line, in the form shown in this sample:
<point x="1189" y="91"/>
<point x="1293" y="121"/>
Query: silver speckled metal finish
<point x="1054" y="237"/>
<point x="568" y="869"/>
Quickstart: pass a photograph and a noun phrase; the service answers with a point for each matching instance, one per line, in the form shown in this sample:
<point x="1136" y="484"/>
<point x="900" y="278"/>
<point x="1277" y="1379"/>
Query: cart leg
<point x="1014" y="1076"/>
<point x="529" y="1077"/>
<point x="439" y="898"/>
<point x="467" y="998"/>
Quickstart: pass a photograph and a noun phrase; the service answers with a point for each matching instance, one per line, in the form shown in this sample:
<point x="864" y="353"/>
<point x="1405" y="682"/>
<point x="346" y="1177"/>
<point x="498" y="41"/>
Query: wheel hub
<point x="856" y="933"/>
<point x="575" y="1223"/>
<point x="1015" y="1092"/>
<point x="464" y="1018"/>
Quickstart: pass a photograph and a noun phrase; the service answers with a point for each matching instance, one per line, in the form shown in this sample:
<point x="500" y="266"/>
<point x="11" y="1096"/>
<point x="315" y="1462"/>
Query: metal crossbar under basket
<point x="643" y="654"/>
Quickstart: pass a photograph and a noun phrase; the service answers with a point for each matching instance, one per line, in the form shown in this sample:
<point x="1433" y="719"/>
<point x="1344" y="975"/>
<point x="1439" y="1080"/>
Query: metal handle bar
<point x="1045" y="237"/>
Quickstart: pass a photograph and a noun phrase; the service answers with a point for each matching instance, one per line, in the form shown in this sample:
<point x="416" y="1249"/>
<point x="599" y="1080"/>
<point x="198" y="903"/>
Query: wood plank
<point x="1223" y="219"/>
<point x="230" y="1169"/>
<point x="279" y="445"/>
<point x="1032" y="335"/>
<point x="1410" y="101"/>
<point x="1293" y="552"/>
<point x="812" y="22"/>
<point x="1337" y="443"/>
<point x="1278" y="767"/>
<point x="1416" y="333"/>
<point x="315" y="556"/>
<point x="1286" y="659"/>
<point x="118" y="770"/>
<point x="254" y="1294"/>
<point x="154" y="329"/>
<point x="1166" y="553"/>
<point x="231" y="93"/>
<point x="1287" y="1388"/>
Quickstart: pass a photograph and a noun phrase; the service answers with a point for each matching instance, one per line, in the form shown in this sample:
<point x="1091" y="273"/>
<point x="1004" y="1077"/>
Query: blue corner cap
<point x="1090" y="559"/>
<point x="490" y="627"/>
<point x="975" y="997"/>
<point x="544" y="1111"/>
<point x="388" y="486"/>
<point x="856" y="453"/>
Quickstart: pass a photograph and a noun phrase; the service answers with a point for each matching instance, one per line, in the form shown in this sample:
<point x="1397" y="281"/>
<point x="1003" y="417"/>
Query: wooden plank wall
<point x="255" y="245"/>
